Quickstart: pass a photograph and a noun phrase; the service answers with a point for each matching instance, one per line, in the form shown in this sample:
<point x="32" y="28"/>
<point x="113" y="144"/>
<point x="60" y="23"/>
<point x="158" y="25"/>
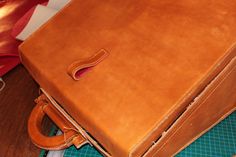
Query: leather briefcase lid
<point x="161" y="56"/>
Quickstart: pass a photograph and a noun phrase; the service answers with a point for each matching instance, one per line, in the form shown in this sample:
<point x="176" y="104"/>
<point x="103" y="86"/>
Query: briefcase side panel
<point x="154" y="136"/>
<point x="217" y="101"/>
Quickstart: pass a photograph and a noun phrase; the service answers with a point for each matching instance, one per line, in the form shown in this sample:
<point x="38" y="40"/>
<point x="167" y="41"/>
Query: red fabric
<point x="7" y="62"/>
<point x="23" y="21"/>
<point x="11" y="11"/>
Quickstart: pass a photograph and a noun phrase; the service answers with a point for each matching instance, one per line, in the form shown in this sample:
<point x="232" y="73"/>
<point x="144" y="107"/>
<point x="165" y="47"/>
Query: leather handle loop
<point x="70" y="134"/>
<point x="80" y="66"/>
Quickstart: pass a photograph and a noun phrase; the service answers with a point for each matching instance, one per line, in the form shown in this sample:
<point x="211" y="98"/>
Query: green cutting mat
<point x="220" y="141"/>
<point x="85" y="151"/>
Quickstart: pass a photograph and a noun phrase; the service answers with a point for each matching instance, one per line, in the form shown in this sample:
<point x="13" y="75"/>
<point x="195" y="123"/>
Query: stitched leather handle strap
<point x="70" y="134"/>
<point x="80" y="66"/>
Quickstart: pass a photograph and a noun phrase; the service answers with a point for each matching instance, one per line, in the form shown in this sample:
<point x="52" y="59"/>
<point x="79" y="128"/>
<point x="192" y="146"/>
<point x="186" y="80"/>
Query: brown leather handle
<point x="70" y="134"/>
<point x="80" y="66"/>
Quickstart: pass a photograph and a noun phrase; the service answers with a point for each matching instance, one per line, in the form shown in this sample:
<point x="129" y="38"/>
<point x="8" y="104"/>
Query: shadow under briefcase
<point x="133" y="78"/>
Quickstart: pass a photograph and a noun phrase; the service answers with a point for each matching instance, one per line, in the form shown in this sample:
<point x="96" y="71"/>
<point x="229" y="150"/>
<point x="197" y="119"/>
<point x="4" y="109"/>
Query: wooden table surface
<point x="16" y="103"/>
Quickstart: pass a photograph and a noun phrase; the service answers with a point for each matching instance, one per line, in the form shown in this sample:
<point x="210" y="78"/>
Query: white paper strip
<point x="41" y="15"/>
<point x="59" y="153"/>
<point x="57" y="4"/>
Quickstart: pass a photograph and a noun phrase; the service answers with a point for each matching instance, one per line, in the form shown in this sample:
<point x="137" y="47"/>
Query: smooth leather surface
<point x="162" y="55"/>
<point x="215" y="103"/>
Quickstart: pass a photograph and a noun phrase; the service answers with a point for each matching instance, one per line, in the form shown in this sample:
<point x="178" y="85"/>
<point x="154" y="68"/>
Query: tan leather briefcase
<point x="133" y="78"/>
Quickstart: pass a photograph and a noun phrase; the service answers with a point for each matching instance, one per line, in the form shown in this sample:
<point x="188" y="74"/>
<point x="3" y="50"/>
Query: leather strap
<point x="80" y="66"/>
<point x="70" y="134"/>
